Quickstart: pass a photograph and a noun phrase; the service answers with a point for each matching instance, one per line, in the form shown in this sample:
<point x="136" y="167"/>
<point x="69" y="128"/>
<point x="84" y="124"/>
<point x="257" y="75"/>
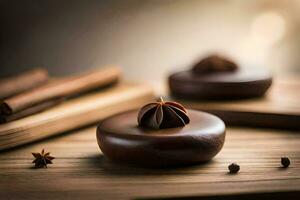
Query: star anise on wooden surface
<point x="214" y="63"/>
<point x="42" y="159"/>
<point x="163" y="114"/>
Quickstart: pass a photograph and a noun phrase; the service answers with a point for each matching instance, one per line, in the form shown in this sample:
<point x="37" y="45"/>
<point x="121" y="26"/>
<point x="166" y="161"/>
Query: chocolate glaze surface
<point x="121" y="139"/>
<point x="242" y="83"/>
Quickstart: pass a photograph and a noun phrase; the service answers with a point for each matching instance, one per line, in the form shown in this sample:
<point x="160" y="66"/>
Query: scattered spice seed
<point x="42" y="159"/>
<point x="285" y="161"/>
<point x="233" y="168"/>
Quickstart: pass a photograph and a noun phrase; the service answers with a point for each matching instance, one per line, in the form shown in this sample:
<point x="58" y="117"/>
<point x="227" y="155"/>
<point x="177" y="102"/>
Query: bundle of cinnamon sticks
<point x="33" y="91"/>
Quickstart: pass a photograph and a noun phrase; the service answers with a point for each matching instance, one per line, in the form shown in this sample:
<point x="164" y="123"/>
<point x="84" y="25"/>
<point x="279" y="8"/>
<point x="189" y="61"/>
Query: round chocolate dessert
<point x="217" y="77"/>
<point x="161" y="134"/>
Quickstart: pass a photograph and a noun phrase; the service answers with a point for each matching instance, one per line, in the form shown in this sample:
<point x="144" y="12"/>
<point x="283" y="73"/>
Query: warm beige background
<point x="148" y="38"/>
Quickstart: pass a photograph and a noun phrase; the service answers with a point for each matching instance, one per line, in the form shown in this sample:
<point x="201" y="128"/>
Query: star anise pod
<point x="214" y="63"/>
<point x="42" y="159"/>
<point x="163" y="114"/>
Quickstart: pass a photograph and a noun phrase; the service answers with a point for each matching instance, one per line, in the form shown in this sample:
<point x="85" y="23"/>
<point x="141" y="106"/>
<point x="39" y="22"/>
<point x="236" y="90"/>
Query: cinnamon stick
<point x="22" y="82"/>
<point x="29" y="111"/>
<point x="60" y="89"/>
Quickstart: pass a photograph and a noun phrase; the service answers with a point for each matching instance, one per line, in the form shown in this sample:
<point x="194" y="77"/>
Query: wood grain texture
<point x="75" y="113"/>
<point x="80" y="171"/>
<point x="279" y="108"/>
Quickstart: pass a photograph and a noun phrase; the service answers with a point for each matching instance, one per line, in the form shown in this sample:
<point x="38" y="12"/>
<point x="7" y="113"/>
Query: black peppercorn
<point x="285" y="161"/>
<point x="233" y="168"/>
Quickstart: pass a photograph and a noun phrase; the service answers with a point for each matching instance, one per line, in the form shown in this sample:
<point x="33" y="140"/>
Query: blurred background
<point x="148" y="38"/>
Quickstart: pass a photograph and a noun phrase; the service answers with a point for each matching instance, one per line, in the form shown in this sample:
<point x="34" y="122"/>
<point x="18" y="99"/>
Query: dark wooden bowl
<point x="243" y="83"/>
<point x="121" y="140"/>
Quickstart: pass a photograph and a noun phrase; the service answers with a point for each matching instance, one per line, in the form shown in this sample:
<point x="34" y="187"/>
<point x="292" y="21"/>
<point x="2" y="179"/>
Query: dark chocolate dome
<point x="122" y="140"/>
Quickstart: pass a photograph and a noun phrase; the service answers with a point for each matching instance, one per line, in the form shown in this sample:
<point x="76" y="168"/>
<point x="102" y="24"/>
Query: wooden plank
<point x="280" y="108"/>
<point x="80" y="171"/>
<point x="74" y="113"/>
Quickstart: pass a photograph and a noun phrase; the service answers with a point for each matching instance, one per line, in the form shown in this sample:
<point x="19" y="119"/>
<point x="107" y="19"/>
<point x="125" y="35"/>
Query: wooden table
<point x="80" y="171"/>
